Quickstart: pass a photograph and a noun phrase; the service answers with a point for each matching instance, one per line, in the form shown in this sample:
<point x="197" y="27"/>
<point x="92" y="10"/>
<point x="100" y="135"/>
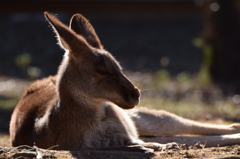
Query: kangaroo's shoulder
<point x="45" y="85"/>
<point x="39" y="96"/>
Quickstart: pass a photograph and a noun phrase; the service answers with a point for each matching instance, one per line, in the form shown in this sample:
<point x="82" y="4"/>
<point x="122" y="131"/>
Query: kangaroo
<point x="90" y="104"/>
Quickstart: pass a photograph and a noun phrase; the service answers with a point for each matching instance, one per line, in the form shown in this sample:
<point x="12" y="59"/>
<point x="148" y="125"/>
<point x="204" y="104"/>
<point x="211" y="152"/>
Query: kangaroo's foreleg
<point x="130" y="148"/>
<point x="162" y="123"/>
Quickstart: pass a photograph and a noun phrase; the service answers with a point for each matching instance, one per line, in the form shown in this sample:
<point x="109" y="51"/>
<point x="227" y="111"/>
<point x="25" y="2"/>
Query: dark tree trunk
<point x="222" y="33"/>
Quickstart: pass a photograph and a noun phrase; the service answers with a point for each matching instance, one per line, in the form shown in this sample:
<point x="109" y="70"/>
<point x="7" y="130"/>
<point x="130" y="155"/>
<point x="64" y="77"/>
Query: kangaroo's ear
<point x="67" y="38"/>
<point x="82" y="26"/>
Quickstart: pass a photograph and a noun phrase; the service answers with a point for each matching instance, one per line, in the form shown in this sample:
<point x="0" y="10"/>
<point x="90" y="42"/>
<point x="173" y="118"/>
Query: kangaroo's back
<point x="39" y="96"/>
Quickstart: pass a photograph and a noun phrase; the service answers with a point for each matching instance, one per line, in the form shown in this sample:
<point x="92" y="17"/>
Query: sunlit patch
<point x="7" y="85"/>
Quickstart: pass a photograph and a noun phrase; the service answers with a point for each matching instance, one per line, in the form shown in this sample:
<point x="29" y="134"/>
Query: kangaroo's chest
<point x="113" y="128"/>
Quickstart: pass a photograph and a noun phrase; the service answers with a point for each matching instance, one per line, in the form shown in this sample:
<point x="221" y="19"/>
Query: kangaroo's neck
<point x="71" y="91"/>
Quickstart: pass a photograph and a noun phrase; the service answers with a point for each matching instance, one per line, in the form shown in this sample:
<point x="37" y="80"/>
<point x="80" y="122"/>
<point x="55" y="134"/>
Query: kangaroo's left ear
<point x="67" y="38"/>
<point x="82" y="26"/>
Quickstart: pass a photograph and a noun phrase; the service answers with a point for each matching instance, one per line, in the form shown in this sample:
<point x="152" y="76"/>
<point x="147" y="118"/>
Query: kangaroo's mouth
<point x="131" y="99"/>
<point x="127" y="100"/>
<point x="127" y="105"/>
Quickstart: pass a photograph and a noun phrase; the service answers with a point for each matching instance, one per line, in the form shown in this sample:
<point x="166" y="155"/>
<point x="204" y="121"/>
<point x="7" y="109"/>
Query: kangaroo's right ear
<point x="82" y="26"/>
<point x="67" y="38"/>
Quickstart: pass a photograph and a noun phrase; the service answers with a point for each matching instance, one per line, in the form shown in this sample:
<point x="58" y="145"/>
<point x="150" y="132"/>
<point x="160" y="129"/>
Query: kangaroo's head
<point x="88" y="71"/>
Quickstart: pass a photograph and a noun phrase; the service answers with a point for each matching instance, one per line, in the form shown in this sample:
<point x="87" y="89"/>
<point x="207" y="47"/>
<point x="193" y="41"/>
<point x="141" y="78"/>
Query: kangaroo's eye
<point x="103" y="72"/>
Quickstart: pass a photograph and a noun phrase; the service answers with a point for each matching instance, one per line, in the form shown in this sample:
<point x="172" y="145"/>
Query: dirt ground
<point x="184" y="152"/>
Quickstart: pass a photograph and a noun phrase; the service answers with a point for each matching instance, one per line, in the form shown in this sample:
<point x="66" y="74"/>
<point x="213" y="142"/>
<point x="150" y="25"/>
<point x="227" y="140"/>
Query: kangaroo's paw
<point x="159" y="147"/>
<point x="172" y="145"/>
<point x="141" y="148"/>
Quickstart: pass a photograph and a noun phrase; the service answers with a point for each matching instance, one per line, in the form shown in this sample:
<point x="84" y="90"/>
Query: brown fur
<point x="83" y="106"/>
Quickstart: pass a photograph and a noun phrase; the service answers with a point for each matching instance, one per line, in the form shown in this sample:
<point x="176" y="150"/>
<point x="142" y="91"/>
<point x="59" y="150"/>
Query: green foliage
<point x="160" y="77"/>
<point x="23" y="60"/>
<point x="8" y="103"/>
<point x="198" y="42"/>
<point x="207" y="55"/>
<point x="184" y="77"/>
<point x="204" y="72"/>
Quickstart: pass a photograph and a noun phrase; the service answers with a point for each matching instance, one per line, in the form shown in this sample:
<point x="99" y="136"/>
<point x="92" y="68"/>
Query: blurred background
<point x="184" y="55"/>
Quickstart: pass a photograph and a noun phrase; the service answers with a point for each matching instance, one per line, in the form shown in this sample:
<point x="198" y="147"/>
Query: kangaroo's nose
<point x="135" y="94"/>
